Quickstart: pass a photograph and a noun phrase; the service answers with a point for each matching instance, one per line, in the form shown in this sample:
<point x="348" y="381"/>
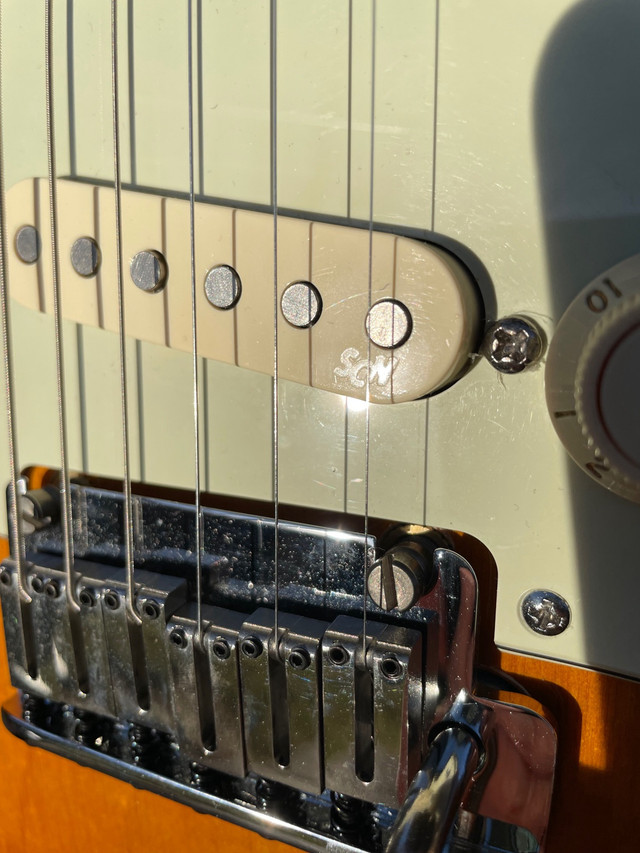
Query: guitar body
<point x="516" y="149"/>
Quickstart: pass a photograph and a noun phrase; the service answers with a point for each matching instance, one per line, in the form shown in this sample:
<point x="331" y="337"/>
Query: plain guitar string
<point x="15" y="520"/>
<point x="128" y="514"/>
<point x="367" y="416"/>
<point x="194" y="330"/>
<point x="273" y="16"/>
<point x="65" y="493"/>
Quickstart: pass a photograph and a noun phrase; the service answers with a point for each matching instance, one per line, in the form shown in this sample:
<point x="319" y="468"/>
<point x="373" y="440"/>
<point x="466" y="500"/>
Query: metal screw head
<point x="251" y="647"/>
<point x="223" y="287"/>
<point x="546" y="612"/>
<point x="5" y="578"/>
<point x="398" y="579"/>
<point x="301" y="304"/>
<point x="512" y="344"/>
<point x="149" y="271"/>
<point x="151" y="609"/>
<point x="338" y="655"/>
<point x="388" y="323"/>
<point x="221" y="648"/>
<point x="391" y="668"/>
<point x="37" y="584"/>
<point x="51" y="589"/>
<point x="85" y="256"/>
<point x="28" y="244"/>
<point x="111" y="599"/>
<point x="87" y="598"/>
<point x="179" y="638"/>
<point x="299" y="658"/>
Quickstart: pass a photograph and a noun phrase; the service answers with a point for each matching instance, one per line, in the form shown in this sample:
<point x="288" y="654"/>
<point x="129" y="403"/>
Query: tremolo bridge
<point x="314" y="725"/>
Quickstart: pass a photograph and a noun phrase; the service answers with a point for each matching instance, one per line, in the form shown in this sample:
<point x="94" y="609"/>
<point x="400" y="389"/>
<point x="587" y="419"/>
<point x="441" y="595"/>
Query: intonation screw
<point x="512" y="344"/>
<point x="546" y="612"/>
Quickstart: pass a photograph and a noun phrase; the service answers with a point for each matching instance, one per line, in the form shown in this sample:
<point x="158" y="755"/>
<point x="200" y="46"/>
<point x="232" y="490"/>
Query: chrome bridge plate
<point x="309" y="729"/>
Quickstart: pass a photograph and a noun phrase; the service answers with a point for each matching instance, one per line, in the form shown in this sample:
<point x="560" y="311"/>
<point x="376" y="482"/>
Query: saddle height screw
<point x="221" y="648"/>
<point x="87" y="598"/>
<point x="512" y="344"/>
<point x="112" y="599"/>
<point x="51" y="589"/>
<point x="299" y="658"/>
<point x="151" y="609"/>
<point x="5" y="578"/>
<point x="251" y="647"/>
<point x="179" y="638"/>
<point x="546" y="612"/>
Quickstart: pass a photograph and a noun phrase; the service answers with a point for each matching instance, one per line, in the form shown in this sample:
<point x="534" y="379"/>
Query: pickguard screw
<point x="251" y="647"/>
<point x="151" y="609"/>
<point x="512" y="344"/>
<point x="546" y="612"/>
<point x="179" y="638"/>
<point x="112" y="599"/>
<point x="299" y="658"/>
<point x="51" y="589"/>
<point x="221" y="648"/>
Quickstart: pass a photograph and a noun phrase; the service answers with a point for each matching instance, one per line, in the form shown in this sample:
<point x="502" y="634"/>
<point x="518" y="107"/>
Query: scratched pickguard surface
<point x="527" y="157"/>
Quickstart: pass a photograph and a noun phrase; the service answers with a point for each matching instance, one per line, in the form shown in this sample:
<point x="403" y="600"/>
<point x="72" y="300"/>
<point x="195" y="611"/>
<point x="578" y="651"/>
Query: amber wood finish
<point x="49" y="803"/>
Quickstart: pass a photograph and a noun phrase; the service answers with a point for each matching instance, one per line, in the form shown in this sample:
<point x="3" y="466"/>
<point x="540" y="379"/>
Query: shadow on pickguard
<point x="587" y="117"/>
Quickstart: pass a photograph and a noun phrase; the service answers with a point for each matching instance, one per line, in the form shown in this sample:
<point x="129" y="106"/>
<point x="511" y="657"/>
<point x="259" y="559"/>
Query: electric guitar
<point x="321" y="324"/>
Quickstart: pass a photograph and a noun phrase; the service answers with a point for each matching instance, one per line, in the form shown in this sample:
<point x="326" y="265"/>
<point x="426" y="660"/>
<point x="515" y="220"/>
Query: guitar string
<point x="367" y="417"/>
<point x="65" y="492"/>
<point x="126" y="471"/>
<point x="15" y="520"/>
<point x="194" y="330"/>
<point x="274" y="201"/>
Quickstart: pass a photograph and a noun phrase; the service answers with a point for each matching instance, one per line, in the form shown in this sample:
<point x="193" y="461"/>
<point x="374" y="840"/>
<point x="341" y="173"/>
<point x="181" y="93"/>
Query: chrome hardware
<point x="546" y="612"/>
<point x="388" y="323"/>
<point x="301" y="304"/>
<point x="28" y="244"/>
<point x="85" y="256"/>
<point x="223" y="287"/>
<point x="149" y="271"/>
<point x="314" y="735"/>
<point x="512" y="344"/>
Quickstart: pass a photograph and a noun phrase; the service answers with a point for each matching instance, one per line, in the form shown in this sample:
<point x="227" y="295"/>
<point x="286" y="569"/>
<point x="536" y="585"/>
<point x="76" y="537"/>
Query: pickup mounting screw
<point x="546" y="612"/>
<point x="512" y="344"/>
